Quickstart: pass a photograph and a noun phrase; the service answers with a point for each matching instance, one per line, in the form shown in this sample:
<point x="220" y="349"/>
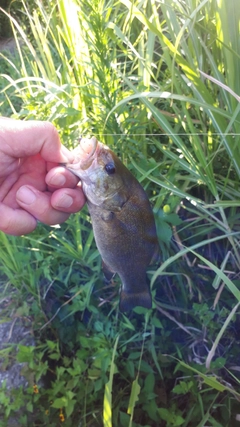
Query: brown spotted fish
<point x="122" y="219"/>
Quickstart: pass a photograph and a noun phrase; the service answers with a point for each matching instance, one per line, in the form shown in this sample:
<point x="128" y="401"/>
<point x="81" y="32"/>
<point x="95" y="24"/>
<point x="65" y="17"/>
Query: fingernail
<point x="65" y="201"/>
<point x="26" y="195"/>
<point x="57" y="180"/>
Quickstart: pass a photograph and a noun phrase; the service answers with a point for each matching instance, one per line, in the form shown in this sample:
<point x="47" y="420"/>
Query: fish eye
<point x="110" y="168"/>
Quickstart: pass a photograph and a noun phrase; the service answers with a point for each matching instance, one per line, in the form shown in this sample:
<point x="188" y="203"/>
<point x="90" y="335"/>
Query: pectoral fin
<point x="116" y="201"/>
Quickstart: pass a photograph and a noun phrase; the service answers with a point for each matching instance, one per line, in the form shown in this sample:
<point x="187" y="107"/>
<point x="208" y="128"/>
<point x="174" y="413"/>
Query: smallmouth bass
<point x="122" y="219"/>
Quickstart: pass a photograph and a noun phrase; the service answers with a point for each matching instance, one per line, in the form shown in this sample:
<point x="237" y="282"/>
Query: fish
<point x="122" y="220"/>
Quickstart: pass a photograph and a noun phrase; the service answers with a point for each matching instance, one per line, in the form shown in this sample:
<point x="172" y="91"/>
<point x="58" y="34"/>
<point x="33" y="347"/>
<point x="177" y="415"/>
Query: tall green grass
<point x="158" y="81"/>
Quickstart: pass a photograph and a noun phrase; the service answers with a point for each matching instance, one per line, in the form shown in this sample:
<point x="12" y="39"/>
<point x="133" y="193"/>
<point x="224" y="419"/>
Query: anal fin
<point x="108" y="274"/>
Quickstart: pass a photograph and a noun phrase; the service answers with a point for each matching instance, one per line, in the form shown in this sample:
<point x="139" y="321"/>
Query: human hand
<point x="32" y="185"/>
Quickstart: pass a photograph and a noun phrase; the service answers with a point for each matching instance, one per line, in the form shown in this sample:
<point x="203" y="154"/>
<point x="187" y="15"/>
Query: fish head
<point x="100" y="172"/>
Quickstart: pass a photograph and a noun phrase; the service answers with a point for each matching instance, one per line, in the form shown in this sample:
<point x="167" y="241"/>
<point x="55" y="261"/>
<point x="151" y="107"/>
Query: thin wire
<point x="170" y="134"/>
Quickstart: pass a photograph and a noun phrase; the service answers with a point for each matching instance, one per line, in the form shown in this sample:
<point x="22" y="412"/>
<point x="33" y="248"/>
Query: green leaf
<point x="25" y="353"/>
<point x="135" y="390"/>
<point x="60" y="402"/>
<point x="173" y="219"/>
<point x="29" y="406"/>
<point x="70" y="407"/>
<point x="183" y="387"/>
<point x="54" y="356"/>
<point x="94" y="373"/>
<point x="164" y="231"/>
<point x="172" y="419"/>
<point x="156" y="322"/>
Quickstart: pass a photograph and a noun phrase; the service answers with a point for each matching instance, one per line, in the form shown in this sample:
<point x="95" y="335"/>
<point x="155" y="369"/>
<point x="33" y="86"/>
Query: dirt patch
<point x="12" y="334"/>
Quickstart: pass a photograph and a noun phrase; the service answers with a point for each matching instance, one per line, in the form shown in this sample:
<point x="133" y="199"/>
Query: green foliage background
<point x="158" y="82"/>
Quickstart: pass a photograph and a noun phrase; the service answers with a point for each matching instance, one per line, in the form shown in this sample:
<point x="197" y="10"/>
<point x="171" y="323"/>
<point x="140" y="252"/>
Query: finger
<point x="68" y="200"/>
<point x="61" y="177"/>
<point x="16" y="221"/>
<point x="38" y="204"/>
<point x="20" y="139"/>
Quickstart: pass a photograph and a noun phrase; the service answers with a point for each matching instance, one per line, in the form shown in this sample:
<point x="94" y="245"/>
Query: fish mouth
<point x="84" y="155"/>
<point x="86" y="150"/>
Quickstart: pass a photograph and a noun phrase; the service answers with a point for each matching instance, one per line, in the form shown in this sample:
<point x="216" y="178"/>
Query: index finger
<point x="20" y="139"/>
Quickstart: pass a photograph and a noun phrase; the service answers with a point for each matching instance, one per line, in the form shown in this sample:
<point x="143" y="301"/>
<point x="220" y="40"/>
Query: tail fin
<point x="130" y="300"/>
